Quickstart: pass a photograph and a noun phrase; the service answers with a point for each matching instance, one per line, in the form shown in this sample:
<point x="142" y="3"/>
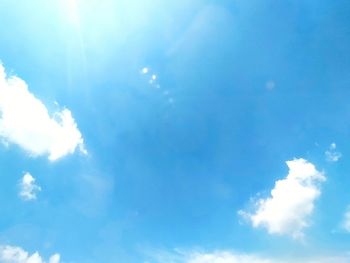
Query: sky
<point x="188" y="131"/>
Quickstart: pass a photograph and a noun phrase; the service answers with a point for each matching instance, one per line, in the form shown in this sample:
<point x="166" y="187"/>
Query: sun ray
<point x="73" y="14"/>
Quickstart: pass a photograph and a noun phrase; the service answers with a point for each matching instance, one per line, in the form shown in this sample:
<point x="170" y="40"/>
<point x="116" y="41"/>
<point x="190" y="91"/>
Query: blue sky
<point x="188" y="131"/>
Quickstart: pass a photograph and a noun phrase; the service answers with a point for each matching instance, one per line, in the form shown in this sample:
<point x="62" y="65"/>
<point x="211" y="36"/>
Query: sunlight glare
<point x="73" y="14"/>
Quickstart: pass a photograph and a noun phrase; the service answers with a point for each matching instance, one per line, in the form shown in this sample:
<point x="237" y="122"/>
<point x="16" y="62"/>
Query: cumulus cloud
<point x="332" y="155"/>
<point x="10" y="254"/>
<point x="25" y="121"/>
<point x="28" y="188"/>
<point x="292" y="201"/>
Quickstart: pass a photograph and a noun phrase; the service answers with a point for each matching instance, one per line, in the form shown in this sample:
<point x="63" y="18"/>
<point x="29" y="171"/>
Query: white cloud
<point x="287" y="210"/>
<point x="232" y="257"/>
<point x="25" y="121"/>
<point x="332" y="155"/>
<point x="28" y="188"/>
<point x="225" y="257"/>
<point x="55" y="258"/>
<point x="10" y="254"/>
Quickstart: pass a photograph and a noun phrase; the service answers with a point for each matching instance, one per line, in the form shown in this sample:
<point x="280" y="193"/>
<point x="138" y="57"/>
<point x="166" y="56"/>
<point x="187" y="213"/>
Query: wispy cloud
<point x="287" y="210"/>
<point x="234" y="257"/>
<point x="223" y="257"/>
<point x="332" y="155"/>
<point x="346" y="221"/>
<point x="270" y="85"/>
<point x="25" y="121"/>
<point x="28" y="188"/>
<point x="10" y="254"/>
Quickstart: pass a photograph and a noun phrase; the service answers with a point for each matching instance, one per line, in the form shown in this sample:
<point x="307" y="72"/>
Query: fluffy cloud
<point x="9" y="254"/>
<point x="287" y="210"/>
<point x="332" y="155"/>
<point x="28" y="188"/>
<point x="25" y="121"/>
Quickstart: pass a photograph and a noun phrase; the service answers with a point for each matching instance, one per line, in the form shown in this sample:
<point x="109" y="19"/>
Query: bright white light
<point x="73" y="14"/>
<point x="154" y="77"/>
<point x="144" y="70"/>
